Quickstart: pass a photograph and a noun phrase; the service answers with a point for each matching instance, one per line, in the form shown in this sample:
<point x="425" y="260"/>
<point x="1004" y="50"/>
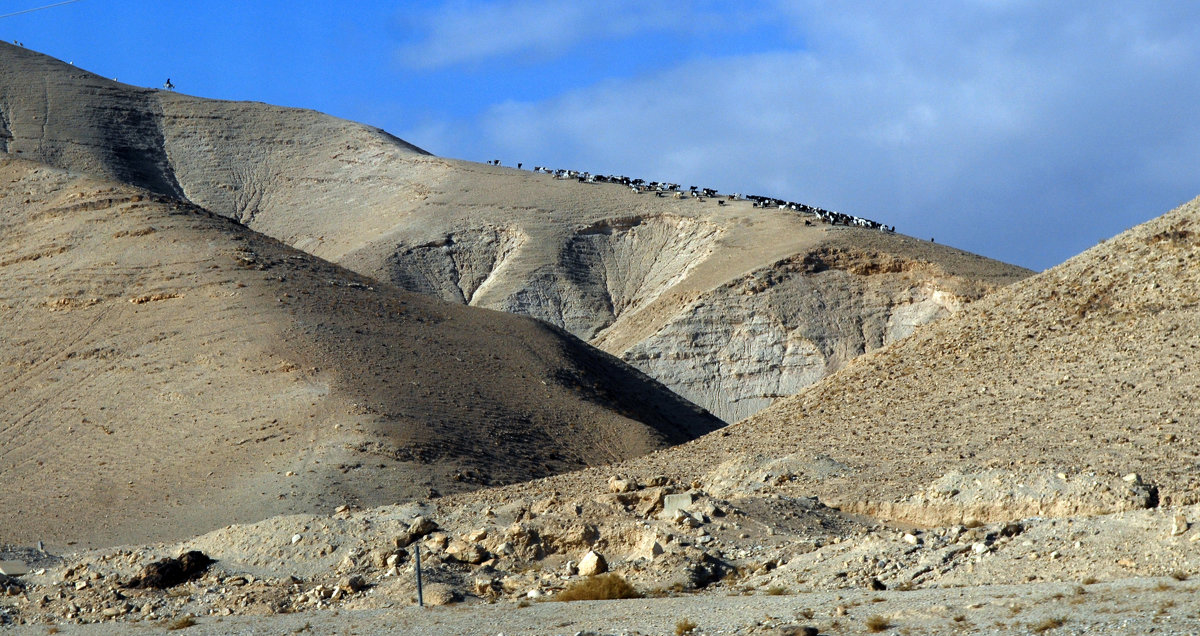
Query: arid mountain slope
<point x="664" y="283"/>
<point x="166" y="371"/>
<point x="1045" y="398"/>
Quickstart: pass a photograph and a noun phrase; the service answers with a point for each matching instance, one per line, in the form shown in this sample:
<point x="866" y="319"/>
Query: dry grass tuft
<point x="684" y="626"/>
<point x="183" y="622"/>
<point x="1048" y="624"/>
<point x="777" y="590"/>
<point x="877" y="623"/>
<point x="604" y="587"/>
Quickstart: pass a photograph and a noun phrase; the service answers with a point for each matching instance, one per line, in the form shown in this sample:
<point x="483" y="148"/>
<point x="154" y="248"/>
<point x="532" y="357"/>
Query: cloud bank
<point x="1017" y="130"/>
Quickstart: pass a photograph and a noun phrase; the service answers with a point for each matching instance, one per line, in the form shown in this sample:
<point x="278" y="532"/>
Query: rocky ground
<point x="755" y="564"/>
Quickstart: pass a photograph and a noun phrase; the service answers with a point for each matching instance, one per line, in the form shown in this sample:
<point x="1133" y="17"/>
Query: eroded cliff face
<point x="630" y="285"/>
<point x="582" y="280"/>
<point x="458" y="266"/>
<point x="782" y="328"/>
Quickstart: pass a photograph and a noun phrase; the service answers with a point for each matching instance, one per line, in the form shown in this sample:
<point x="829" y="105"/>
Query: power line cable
<point x="49" y="6"/>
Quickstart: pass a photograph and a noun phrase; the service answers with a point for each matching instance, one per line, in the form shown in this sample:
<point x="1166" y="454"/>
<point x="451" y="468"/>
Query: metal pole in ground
<point x="420" y="597"/>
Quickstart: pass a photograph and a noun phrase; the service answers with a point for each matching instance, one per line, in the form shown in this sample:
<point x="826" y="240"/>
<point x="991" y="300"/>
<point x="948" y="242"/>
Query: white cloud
<point x="1011" y="129"/>
<point x="463" y="32"/>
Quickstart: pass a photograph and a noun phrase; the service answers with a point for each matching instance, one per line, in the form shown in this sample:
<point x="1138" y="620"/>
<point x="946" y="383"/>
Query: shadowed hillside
<point x="167" y="371"/>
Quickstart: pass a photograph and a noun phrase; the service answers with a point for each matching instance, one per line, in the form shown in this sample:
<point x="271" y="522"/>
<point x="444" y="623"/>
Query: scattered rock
<point x="685" y="519"/>
<point x="1179" y="525"/>
<point x="353" y="584"/>
<point x="472" y="553"/>
<point x="171" y="572"/>
<point x="487" y="587"/>
<point x="418" y="529"/>
<point x="592" y="563"/>
<point x="647" y="548"/>
<point x="795" y="630"/>
<point x="671" y="503"/>
<point x="619" y="485"/>
<point x="1012" y="529"/>
<point x="11" y="585"/>
<point x="13" y="568"/>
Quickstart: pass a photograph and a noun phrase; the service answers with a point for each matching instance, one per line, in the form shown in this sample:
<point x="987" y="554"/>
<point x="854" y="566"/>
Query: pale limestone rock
<point x="1179" y="525"/>
<point x="647" y="548"/>
<point x="672" y="503"/>
<point x="619" y="485"/>
<point x="472" y="553"/>
<point x="685" y="519"/>
<point x="592" y="563"/>
<point x="352" y="584"/>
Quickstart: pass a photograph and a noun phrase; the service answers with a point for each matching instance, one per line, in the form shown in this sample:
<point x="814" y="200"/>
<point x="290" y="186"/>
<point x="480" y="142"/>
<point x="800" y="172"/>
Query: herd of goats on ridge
<point x="662" y="189"/>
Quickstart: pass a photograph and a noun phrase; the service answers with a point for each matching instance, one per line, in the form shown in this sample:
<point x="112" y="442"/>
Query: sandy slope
<point x="1069" y="394"/>
<point x="165" y="370"/>
<point x="1088" y="368"/>
<point x="1045" y="397"/>
<point x="665" y="284"/>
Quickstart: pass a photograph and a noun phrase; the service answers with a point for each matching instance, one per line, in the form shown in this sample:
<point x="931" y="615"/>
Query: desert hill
<point x="1025" y="465"/>
<point x="165" y="371"/>
<point x="1039" y="444"/>
<point x="730" y="305"/>
<point x="1071" y="392"/>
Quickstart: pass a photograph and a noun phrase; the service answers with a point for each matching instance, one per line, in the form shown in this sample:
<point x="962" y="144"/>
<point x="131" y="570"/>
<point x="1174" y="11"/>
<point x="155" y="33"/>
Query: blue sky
<point x="1024" y="131"/>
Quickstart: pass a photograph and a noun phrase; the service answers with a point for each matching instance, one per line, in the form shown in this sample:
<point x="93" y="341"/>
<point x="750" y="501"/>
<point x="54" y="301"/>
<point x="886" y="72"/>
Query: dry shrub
<point x="1180" y="575"/>
<point x="183" y="622"/>
<point x="603" y="587"/>
<point x="877" y="623"/>
<point x="684" y="626"/>
<point x="777" y="590"/>
<point x="1048" y="624"/>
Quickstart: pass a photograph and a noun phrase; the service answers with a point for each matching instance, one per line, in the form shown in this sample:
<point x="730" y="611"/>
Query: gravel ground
<point x="1143" y="605"/>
